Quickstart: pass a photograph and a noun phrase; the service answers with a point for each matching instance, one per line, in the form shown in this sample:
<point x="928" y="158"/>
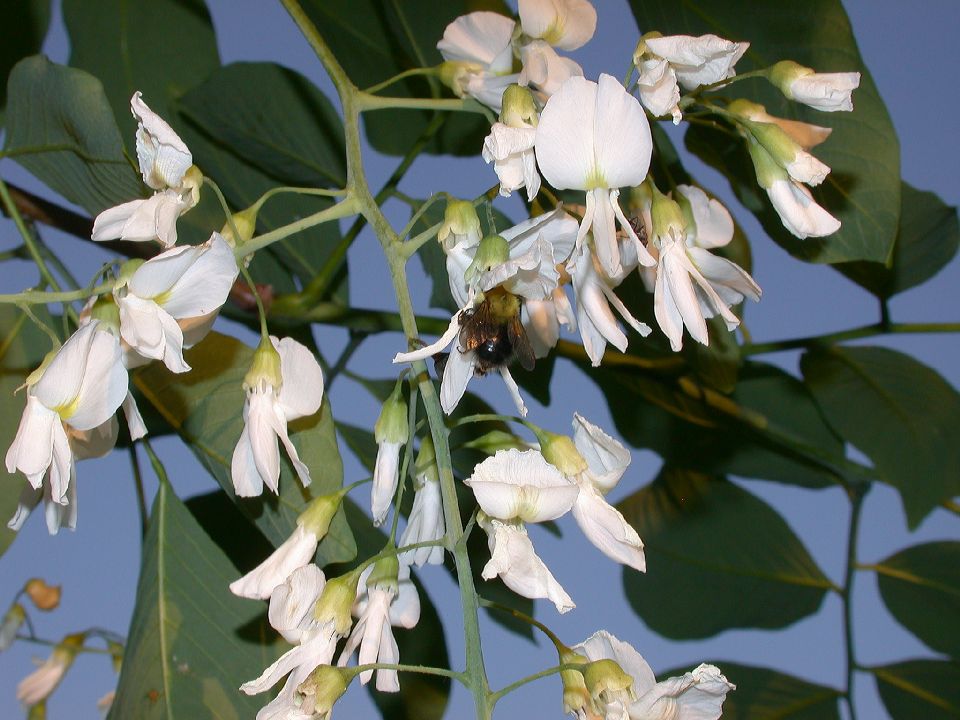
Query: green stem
<point x="420" y="669"/>
<point x="401" y="76"/>
<point x="856" y="493"/>
<point x="366" y="102"/>
<point x="261" y="311"/>
<point x="352" y="100"/>
<point x="851" y="334"/>
<point x="39" y="297"/>
<point x="536" y="676"/>
<point x="138" y="484"/>
<point x="347" y="206"/>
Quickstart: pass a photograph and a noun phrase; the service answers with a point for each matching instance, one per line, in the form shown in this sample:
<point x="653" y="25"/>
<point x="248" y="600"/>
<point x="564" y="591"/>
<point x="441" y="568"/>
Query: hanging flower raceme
<point x="74" y="393"/>
<point x="666" y="63"/>
<point x="296" y="551"/>
<point x="167" y="167"/>
<point x="509" y="146"/>
<point x="284" y="383"/>
<point x="693" y="284"/>
<point x="425" y="522"/>
<point x="696" y="695"/>
<point x="500" y="275"/>
<point x="479" y="56"/>
<point x="387" y="597"/>
<point x="595" y="462"/>
<point x="513" y="488"/>
<point x="315" y="614"/>
<point x="163" y="301"/>
<point x="830" y="92"/>
<point x="595" y="137"/>
<point x="38" y="685"/>
<point x="391" y="432"/>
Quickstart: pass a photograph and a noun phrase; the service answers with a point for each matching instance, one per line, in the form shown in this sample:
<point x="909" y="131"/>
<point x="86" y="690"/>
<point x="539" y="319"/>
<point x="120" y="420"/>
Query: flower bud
<point x="559" y="451"/>
<point x="106" y="312"/>
<point x="245" y="222"/>
<point x="425" y="465"/>
<point x="392" y="425"/>
<point x="12" y="622"/>
<point x="455" y="74"/>
<point x="576" y="697"/>
<point x="318" y="515"/>
<point x="798" y="163"/>
<point x="127" y="270"/>
<point x="493" y="250"/>
<point x="519" y="108"/>
<point x="768" y="170"/>
<point x="605" y="678"/>
<point x="43" y="596"/>
<point x="265" y="368"/>
<point x="193" y="181"/>
<point x="666" y="216"/>
<point x="460" y="223"/>
<point x="322" y="688"/>
<point x="336" y="602"/>
<point x="828" y="92"/>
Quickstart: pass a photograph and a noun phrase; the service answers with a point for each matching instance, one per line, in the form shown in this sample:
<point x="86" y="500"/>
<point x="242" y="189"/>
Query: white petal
<point x="807" y="169"/>
<point x="521" y="485"/>
<point x="480" y="37"/>
<point x="425" y="523"/>
<point x="243" y="468"/>
<point x="666" y="309"/>
<point x="453" y="329"/>
<point x="163" y="156"/>
<point x="606" y="457"/>
<point x="623" y="144"/>
<point x="385" y="478"/>
<point x="829" y="92"/>
<point x="291" y="602"/>
<point x="157" y="275"/>
<point x="713" y="220"/>
<point x="316" y="649"/>
<point x="607" y="529"/>
<point x="135" y="423"/>
<point x="204" y="285"/>
<point x="60" y="383"/>
<point x="657" y="84"/>
<point x="724" y="274"/>
<point x="38" y="685"/>
<point x="565" y="135"/>
<point x="698" y="60"/>
<point x="544" y="69"/>
<point x="566" y="24"/>
<point x="103" y="385"/>
<point x="514" y="560"/>
<point x="605" y="242"/>
<point x="696" y="695"/>
<point x="95" y="442"/>
<point x="514" y="391"/>
<point x="295" y="552"/>
<point x="142" y="220"/>
<point x="31" y="451"/>
<point x="602" y="645"/>
<point x="539" y="319"/>
<point x="460" y="367"/>
<point x="798" y="211"/>
<point x="29" y="498"/>
<point x="302" y="390"/>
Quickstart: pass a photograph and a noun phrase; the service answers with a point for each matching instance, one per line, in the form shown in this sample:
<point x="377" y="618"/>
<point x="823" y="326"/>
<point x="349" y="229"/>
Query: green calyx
<point x="265" y="368"/>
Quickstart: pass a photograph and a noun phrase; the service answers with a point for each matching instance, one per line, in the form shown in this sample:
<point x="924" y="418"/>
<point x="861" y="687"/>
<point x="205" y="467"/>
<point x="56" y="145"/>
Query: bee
<point x="638" y="226"/>
<point x="494" y="332"/>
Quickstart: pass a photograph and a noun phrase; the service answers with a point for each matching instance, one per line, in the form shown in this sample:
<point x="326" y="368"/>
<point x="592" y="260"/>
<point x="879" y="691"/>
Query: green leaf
<point x="21" y="351"/>
<point x="899" y="412"/>
<point x="31" y="18"/>
<point x="162" y="48"/>
<point x="375" y="40"/>
<point x="920" y="688"/>
<point x="61" y="128"/>
<point x="275" y="119"/>
<point x="748" y="567"/>
<point x="927" y="240"/>
<point x="205" y="406"/>
<point x="222" y="520"/>
<point x="921" y="587"/>
<point x="191" y="642"/>
<point x="863" y="189"/>
<point x="766" y="694"/>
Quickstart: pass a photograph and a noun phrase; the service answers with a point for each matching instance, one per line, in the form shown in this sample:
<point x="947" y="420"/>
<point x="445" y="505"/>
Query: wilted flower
<point x="284" y="383"/>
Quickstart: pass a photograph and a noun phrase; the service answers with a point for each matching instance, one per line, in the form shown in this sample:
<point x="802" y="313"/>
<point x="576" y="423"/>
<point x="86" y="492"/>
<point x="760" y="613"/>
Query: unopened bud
<point x="105" y="311"/>
<point x="460" y="222"/>
<point x="245" y="222"/>
<point x="559" y="451"/>
<point x="322" y="688"/>
<point x="519" y="108"/>
<point x="43" y="596"/>
<point x="193" y="180"/>
<point x="336" y="602"/>
<point x="605" y="678"/>
<point x="666" y="216"/>
<point x="392" y="425"/>
<point x="265" y="367"/>
<point x="576" y="697"/>
<point x="785" y="72"/>
<point x="495" y="440"/>
<point x="493" y="250"/>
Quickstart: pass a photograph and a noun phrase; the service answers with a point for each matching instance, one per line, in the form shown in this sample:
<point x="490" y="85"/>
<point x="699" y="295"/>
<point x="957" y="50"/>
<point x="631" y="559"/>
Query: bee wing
<point x="477" y="326"/>
<point x="522" y="349"/>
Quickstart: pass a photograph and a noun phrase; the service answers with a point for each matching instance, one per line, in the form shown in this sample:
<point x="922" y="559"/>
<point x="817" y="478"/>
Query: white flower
<point x="829" y="92"/>
<point x="658" y="88"/>
<point x="425" y="522"/>
<point x="514" y="560"/>
<point x="510" y="149"/>
<point x="798" y="211"/>
<point x="544" y="69"/>
<point x="515" y="485"/>
<point x="387" y="597"/>
<point x="479" y="54"/>
<point x="542" y="320"/>
<point x="270" y="405"/>
<point x="595" y="137"/>
<point x="698" y="61"/>
<point x="806" y="135"/>
<point x="295" y="552"/>
<point x="38" y="685"/>
<point x="165" y="162"/>
<point x="566" y="24"/>
<point x="179" y="284"/>
<point x="292" y="601"/>
<point x="391" y="432"/>
<point x="79" y="390"/>
<point x="696" y="695"/>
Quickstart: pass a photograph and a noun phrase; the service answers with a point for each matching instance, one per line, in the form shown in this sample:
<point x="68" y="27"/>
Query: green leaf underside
<point x="61" y="129"/>
<point x="22" y="349"/>
<point x="899" y="412"/>
<point x="191" y="642"/>
<point x="162" y="48"/>
<point x="863" y="188"/>
<point x="749" y="568"/>
<point x="205" y="406"/>
<point x="920" y="688"/>
<point x="375" y="40"/>
<point x="921" y="587"/>
<point x="766" y="694"/>
<point x="31" y="19"/>
<point x="927" y="240"/>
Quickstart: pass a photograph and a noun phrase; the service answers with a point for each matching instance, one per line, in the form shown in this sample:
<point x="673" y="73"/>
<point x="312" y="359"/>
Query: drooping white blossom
<point x="565" y="24"/>
<point x="292" y="601"/>
<point x="386" y="598"/>
<point x="509" y="146"/>
<point x="479" y="55"/>
<point x="696" y="695"/>
<point x="38" y="685"/>
<point x="391" y="433"/>
<point x="180" y="284"/>
<point x="595" y="137"/>
<point x="425" y="522"/>
<point x="829" y="92"/>
<point x="295" y="552"/>
<point x="165" y="163"/>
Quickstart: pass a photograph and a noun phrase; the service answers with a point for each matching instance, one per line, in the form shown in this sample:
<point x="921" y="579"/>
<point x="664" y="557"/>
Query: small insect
<point x="637" y="225"/>
<point x="493" y="330"/>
